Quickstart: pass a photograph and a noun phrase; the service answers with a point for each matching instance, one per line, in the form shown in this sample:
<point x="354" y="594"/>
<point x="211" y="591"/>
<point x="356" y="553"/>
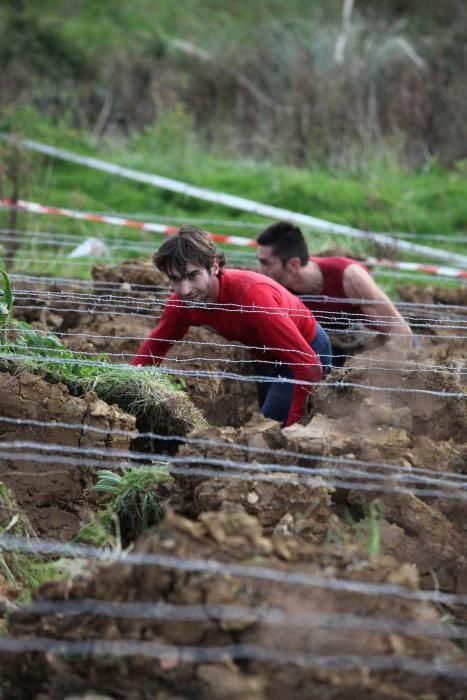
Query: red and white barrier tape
<point x="240" y="203"/>
<point x="36" y="208"/>
<point x="453" y="272"/>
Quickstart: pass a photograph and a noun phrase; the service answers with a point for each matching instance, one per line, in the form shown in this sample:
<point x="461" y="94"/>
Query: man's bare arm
<point x="383" y="315"/>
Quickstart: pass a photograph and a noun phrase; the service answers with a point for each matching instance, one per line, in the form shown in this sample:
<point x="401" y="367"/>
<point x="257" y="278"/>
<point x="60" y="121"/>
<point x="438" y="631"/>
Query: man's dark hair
<point x="189" y="245"/>
<point x="286" y="241"/>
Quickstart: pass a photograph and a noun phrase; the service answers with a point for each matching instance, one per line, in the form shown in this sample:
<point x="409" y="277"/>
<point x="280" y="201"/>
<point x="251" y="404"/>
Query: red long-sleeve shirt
<point x="254" y="310"/>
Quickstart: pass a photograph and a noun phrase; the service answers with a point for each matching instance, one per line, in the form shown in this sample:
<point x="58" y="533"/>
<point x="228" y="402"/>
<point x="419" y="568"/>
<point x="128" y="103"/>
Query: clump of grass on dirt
<point x="366" y="532"/>
<point x="21" y="573"/>
<point x="149" y="395"/>
<point x="135" y="505"/>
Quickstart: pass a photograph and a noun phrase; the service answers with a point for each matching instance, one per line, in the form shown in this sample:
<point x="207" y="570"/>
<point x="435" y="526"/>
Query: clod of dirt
<point x="51" y="490"/>
<point x="269" y="493"/>
<point x="140" y="276"/>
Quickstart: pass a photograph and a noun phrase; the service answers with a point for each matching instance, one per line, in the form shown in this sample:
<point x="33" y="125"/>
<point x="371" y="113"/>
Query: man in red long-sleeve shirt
<point x="281" y="333"/>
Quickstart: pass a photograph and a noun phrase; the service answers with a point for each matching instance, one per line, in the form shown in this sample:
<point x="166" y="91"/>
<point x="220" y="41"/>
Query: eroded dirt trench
<point x="387" y="429"/>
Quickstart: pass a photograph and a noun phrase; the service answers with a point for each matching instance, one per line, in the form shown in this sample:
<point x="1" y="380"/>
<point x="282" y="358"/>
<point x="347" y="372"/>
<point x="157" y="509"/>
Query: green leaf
<point x="7" y="292"/>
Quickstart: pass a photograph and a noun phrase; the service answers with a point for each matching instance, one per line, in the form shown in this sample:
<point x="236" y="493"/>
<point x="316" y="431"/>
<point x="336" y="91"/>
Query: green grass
<point x="365" y="532"/>
<point x="134" y="505"/>
<point x="93" y="28"/>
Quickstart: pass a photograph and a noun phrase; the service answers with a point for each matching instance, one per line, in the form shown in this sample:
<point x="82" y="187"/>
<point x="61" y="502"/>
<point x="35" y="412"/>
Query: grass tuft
<point x="135" y="505"/>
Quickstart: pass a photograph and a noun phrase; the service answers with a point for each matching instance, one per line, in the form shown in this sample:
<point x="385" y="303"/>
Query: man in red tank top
<point x="280" y="331"/>
<point x="338" y="290"/>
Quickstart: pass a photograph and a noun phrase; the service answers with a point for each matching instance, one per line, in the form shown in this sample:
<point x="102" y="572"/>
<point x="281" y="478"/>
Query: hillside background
<point x="297" y="82"/>
<point x="352" y="111"/>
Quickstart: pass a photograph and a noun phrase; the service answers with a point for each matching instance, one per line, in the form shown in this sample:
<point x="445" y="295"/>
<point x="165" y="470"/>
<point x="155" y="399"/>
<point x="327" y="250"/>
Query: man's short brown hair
<point x="286" y="241"/>
<point x="189" y="245"/>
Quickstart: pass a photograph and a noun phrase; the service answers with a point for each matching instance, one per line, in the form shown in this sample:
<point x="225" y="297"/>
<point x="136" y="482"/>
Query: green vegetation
<point x="152" y="397"/>
<point x="295" y="82"/>
<point x="135" y="504"/>
<point x="366" y="532"/>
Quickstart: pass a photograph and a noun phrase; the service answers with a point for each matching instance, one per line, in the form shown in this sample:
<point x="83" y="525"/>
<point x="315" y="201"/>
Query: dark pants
<point x="275" y="398"/>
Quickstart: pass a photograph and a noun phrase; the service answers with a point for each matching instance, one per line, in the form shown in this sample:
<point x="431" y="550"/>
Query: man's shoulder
<point x="333" y="260"/>
<point x="247" y="286"/>
<point x="244" y="281"/>
<point x="337" y="264"/>
<point x="233" y="274"/>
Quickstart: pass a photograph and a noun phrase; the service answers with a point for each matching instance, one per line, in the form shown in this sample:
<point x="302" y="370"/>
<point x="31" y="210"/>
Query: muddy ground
<point x="386" y="434"/>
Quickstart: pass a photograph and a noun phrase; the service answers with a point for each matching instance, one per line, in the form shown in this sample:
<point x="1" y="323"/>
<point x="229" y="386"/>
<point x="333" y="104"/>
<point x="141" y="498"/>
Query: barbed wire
<point x="155" y="318"/>
<point x="214" y="566"/>
<point x="210" y="443"/>
<point x="215" y="612"/>
<point x="195" y="342"/>
<point x="236" y="223"/>
<point x="126" y="298"/>
<point x="222" y="374"/>
<point x="275" y="473"/>
<point x="143" y="286"/>
<point x="325" y="316"/>
<point x="188" y="654"/>
<point x="454" y="369"/>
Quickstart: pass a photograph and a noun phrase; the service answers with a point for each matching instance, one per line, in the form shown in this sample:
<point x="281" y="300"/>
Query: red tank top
<point x="331" y="307"/>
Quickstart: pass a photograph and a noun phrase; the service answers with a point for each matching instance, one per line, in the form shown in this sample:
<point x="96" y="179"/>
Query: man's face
<point x="197" y="284"/>
<point x="271" y="265"/>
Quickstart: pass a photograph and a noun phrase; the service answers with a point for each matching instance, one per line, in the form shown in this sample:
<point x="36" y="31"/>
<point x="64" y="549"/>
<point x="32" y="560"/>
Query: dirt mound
<point x="235" y="537"/>
<point x="51" y="491"/>
<point x="432" y="294"/>
<point x="397" y="436"/>
<point x="421" y="429"/>
<point x="433" y="402"/>
<point x="269" y="493"/>
<point x="140" y="276"/>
